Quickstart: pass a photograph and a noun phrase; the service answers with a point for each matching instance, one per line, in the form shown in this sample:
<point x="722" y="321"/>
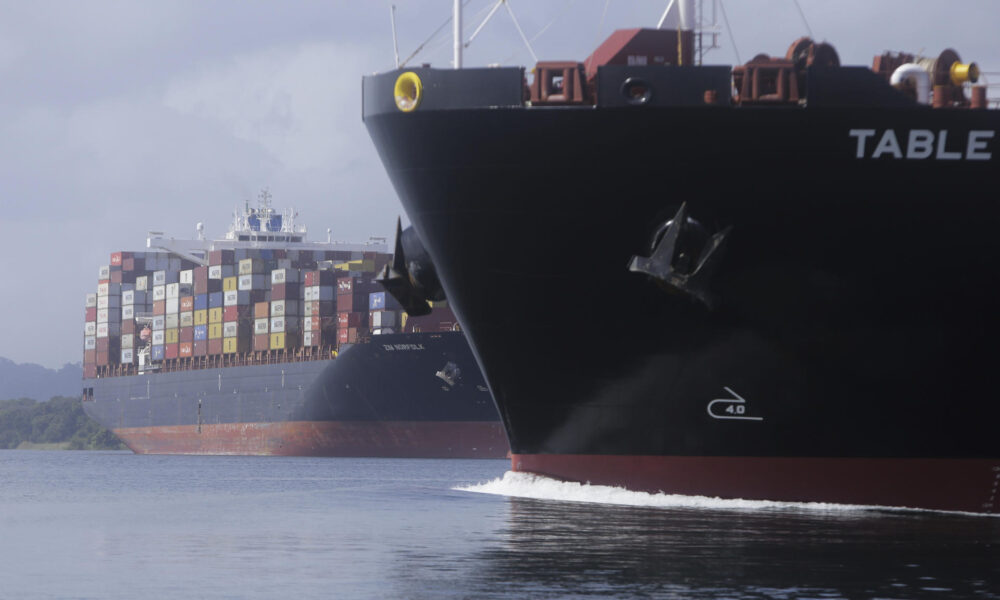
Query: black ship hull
<point x="381" y="398"/>
<point x="846" y="334"/>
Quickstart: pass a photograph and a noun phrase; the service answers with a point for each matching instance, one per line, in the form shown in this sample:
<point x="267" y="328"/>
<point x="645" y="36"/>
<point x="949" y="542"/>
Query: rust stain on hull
<point x="399" y="439"/>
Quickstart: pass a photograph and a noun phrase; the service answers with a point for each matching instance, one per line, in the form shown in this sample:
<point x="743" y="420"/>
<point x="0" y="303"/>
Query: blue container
<point x="215" y="300"/>
<point x="201" y="302"/>
<point x="200" y="332"/>
<point x="157" y="352"/>
<point x="266" y="254"/>
<point x="376" y="301"/>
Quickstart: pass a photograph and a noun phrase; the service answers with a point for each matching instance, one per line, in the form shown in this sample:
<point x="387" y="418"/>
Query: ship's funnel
<point x="411" y="277"/>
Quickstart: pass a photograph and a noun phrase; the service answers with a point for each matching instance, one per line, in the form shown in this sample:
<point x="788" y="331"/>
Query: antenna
<point x="456" y="28"/>
<point x="395" y="44"/>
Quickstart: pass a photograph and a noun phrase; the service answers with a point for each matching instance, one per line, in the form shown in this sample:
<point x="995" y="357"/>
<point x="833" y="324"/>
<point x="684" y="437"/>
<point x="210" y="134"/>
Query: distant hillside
<point x="35" y="381"/>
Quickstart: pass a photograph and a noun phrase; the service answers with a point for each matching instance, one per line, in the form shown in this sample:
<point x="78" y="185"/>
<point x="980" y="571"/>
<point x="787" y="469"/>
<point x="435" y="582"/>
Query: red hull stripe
<point x="434" y="439"/>
<point x="941" y="484"/>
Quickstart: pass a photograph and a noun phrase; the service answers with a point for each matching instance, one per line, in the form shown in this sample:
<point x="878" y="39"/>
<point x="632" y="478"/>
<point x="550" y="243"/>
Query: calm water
<point x="116" y="525"/>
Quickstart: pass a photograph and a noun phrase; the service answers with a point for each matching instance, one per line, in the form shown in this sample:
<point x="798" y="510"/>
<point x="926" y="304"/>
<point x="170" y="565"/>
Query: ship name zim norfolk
<point x="777" y="280"/>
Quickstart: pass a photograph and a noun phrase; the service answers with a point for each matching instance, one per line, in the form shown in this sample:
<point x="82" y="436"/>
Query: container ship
<point x="769" y="281"/>
<point x="266" y="343"/>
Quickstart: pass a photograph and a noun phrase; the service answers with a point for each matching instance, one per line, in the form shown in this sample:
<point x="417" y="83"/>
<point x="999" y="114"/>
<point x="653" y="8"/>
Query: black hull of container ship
<point x="380" y="399"/>
<point x="849" y="353"/>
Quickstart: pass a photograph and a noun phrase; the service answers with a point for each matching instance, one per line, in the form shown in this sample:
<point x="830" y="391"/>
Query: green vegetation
<point x="58" y="423"/>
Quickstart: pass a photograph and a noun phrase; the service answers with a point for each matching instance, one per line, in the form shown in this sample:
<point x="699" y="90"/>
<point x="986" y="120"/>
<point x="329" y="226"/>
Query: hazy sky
<point x="120" y="117"/>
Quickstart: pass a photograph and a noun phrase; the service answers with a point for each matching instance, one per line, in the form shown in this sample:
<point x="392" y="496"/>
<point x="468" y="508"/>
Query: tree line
<point x="61" y="420"/>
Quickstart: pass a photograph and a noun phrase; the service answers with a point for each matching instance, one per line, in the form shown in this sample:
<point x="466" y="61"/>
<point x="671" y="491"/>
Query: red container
<point x="90" y="314"/>
<point x="199" y="348"/>
<point x="220" y="257"/>
<point x="185" y="349"/>
<point x="116" y="276"/>
<point x="351" y="319"/>
<point x="128" y="327"/>
<point x="185" y="334"/>
<point x="286" y="291"/>
<point x="201" y="274"/>
<point x="89" y="371"/>
<point x="348" y="335"/>
<point x="261" y="310"/>
<point x="171" y="350"/>
<point x="345" y="284"/>
<point x="159" y="307"/>
<point x="118" y="257"/>
<point x="103" y="344"/>
<point x="231" y="313"/>
<point x="187" y="303"/>
<point x="310" y="323"/>
<point x="89" y="357"/>
<point x="215" y="346"/>
<point x="261" y="342"/>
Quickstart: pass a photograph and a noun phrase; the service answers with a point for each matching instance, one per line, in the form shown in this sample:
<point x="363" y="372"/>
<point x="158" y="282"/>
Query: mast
<point x="456" y="22"/>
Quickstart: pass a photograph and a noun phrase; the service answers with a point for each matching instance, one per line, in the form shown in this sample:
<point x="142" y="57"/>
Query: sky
<point x="118" y="117"/>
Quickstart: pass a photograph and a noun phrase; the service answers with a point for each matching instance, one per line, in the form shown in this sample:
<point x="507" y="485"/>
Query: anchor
<point x="674" y="266"/>
<point x="410" y="278"/>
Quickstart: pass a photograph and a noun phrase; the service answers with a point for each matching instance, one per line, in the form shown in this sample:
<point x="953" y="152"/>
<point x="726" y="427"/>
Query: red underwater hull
<point x="432" y="439"/>
<point x="969" y="485"/>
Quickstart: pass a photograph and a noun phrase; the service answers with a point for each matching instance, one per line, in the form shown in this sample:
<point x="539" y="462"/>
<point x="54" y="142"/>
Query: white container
<point x="159" y="323"/>
<point x="159" y="292"/>
<point x="159" y="278"/>
<point x="102" y="330"/>
<point x="307" y="339"/>
<point x="173" y="306"/>
<point x="171" y="321"/>
<point x="128" y="341"/>
<point x="127" y="356"/>
<point x="186" y="276"/>
<point x="187" y="319"/>
<point x="142" y="283"/>
<point x="128" y="312"/>
<point x="102" y="315"/>
<point x="230" y="298"/>
<point x="104" y="272"/>
<point x="158" y="337"/>
<point x="90" y="328"/>
<point x="91" y="301"/>
<point x="90" y="342"/>
<point x="260" y="326"/>
<point x="277" y="324"/>
<point x="128" y="297"/>
<point x="311" y="293"/>
<point x="230" y="329"/>
<point x="215" y="272"/>
<point x="384" y="318"/>
<point x="173" y="290"/>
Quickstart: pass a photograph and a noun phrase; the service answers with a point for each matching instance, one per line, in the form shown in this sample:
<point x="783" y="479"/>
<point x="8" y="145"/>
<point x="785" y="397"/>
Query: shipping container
<point x="173" y="290"/>
<point x="220" y="257"/>
<point x="322" y="293"/>
<point x="172" y="321"/>
<point x="127" y="356"/>
<point x="90" y="301"/>
<point x="261" y="310"/>
<point x="200" y="332"/>
<point x="350" y="319"/>
<point x="127" y="341"/>
<point x="261" y="326"/>
<point x="230" y="284"/>
<point x="159" y="322"/>
<point x="90" y="340"/>
<point x="200" y="317"/>
<point x="170" y="336"/>
<point x="128" y="326"/>
<point x="90" y="314"/>
<point x="159" y="307"/>
<point x="172" y="305"/>
<point x="201" y="302"/>
<point x="236" y="329"/>
<point x="186" y="276"/>
<point x="142" y="283"/>
<point x="186" y="303"/>
<point x="284" y="276"/>
<point x="384" y="318"/>
<point x="159" y="292"/>
<point x="158" y="337"/>
<point x="90" y="328"/>
<point x="185" y="334"/>
<point x="199" y="348"/>
<point x="232" y="345"/>
<point x="252" y="282"/>
<point x="280" y="308"/>
<point x="104" y="272"/>
<point x="215" y="315"/>
<point x="262" y="342"/>
<point x="214" y="331"/>
<point x="315" y="308"/>
<point x="230" y="298"/>
<point x="170" y="351"/>
<point x="284" y="341"/>
<point x="215" y="300"/>
<point x="185" y="349"/>
<point x="128" y="313"/>
<point x="215" y="346"/>
<point x="187" y="319"/>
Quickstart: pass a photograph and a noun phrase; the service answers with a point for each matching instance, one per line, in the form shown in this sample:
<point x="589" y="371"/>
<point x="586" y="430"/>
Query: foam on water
<point x="528" y="485"/>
